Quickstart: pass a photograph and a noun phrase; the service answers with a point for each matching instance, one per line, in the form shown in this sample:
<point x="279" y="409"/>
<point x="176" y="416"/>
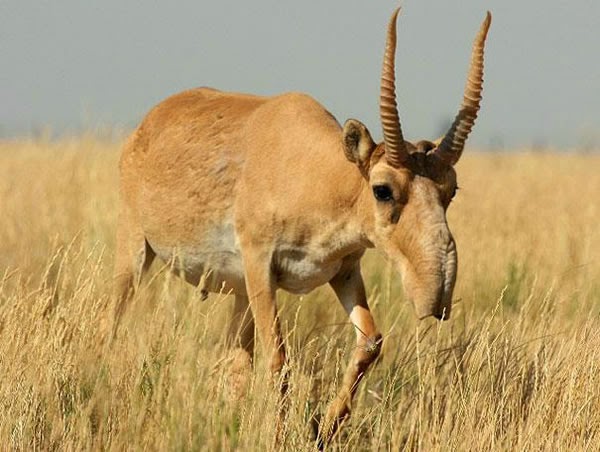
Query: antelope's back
<point x="178" y="170"/>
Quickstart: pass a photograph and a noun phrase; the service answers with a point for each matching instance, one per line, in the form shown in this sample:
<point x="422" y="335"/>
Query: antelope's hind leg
<point x="133" y="257"/>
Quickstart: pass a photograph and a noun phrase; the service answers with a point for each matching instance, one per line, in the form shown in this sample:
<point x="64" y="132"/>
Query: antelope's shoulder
<point x="300" y="107"/>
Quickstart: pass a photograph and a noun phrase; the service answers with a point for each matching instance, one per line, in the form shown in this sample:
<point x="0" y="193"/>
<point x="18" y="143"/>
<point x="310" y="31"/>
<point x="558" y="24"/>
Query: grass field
<point x="516" y="368"/>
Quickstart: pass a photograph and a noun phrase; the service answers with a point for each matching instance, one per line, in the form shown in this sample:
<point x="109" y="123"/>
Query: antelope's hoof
<point x="324" y="430"/>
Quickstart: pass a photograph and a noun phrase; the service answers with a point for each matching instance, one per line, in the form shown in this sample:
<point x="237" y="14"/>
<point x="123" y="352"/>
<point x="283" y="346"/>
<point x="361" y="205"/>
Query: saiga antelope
<point x="250" y="194"/>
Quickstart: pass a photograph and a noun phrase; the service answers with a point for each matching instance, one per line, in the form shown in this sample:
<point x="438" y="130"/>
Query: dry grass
<point x="517" y="368"/>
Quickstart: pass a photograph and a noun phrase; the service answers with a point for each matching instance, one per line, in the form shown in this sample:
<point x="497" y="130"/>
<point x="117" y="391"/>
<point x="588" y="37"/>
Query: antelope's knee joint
<point x="371" y="349"/>
<point x="373" y="346"/>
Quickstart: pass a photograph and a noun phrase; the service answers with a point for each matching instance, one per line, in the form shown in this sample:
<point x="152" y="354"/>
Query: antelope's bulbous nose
<point x="433" y="292"/>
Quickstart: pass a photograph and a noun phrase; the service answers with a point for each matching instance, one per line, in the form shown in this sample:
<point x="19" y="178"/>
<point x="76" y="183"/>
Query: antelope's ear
<point x="358" y="144"/>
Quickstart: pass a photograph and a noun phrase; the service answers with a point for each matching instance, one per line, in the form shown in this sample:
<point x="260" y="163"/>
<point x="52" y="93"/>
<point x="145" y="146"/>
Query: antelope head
<point x="410" y="186"/>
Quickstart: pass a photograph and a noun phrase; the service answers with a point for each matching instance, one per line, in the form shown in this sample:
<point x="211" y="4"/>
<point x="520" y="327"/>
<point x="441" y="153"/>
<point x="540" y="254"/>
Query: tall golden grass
<point x="516" y="368"/>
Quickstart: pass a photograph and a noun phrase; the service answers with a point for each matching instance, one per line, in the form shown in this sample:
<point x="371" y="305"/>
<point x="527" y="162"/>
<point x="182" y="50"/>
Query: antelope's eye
<point x="382" y="193"/>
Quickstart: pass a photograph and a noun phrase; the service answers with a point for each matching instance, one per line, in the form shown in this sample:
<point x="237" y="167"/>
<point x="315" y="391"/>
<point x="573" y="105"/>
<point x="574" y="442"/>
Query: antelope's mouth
<point x="442" y="315"/>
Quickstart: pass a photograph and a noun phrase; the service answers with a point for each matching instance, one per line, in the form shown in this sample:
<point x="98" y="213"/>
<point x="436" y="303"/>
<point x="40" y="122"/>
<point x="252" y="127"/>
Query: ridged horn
<point x="395" y="149"/>
<point x="453" y="143"/>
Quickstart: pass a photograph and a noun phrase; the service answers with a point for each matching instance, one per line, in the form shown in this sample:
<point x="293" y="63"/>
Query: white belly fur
<point x="300" y="272"/>
<point x="218" y="259"/>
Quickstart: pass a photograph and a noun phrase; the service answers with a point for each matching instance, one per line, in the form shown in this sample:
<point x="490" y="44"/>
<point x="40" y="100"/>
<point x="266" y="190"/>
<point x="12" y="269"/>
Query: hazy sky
<point x="71" y="64"/>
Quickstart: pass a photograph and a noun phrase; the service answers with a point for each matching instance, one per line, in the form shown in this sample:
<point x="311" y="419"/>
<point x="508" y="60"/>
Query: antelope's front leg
<point x="349" y="288"/>
<point x="261" y="296"/>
